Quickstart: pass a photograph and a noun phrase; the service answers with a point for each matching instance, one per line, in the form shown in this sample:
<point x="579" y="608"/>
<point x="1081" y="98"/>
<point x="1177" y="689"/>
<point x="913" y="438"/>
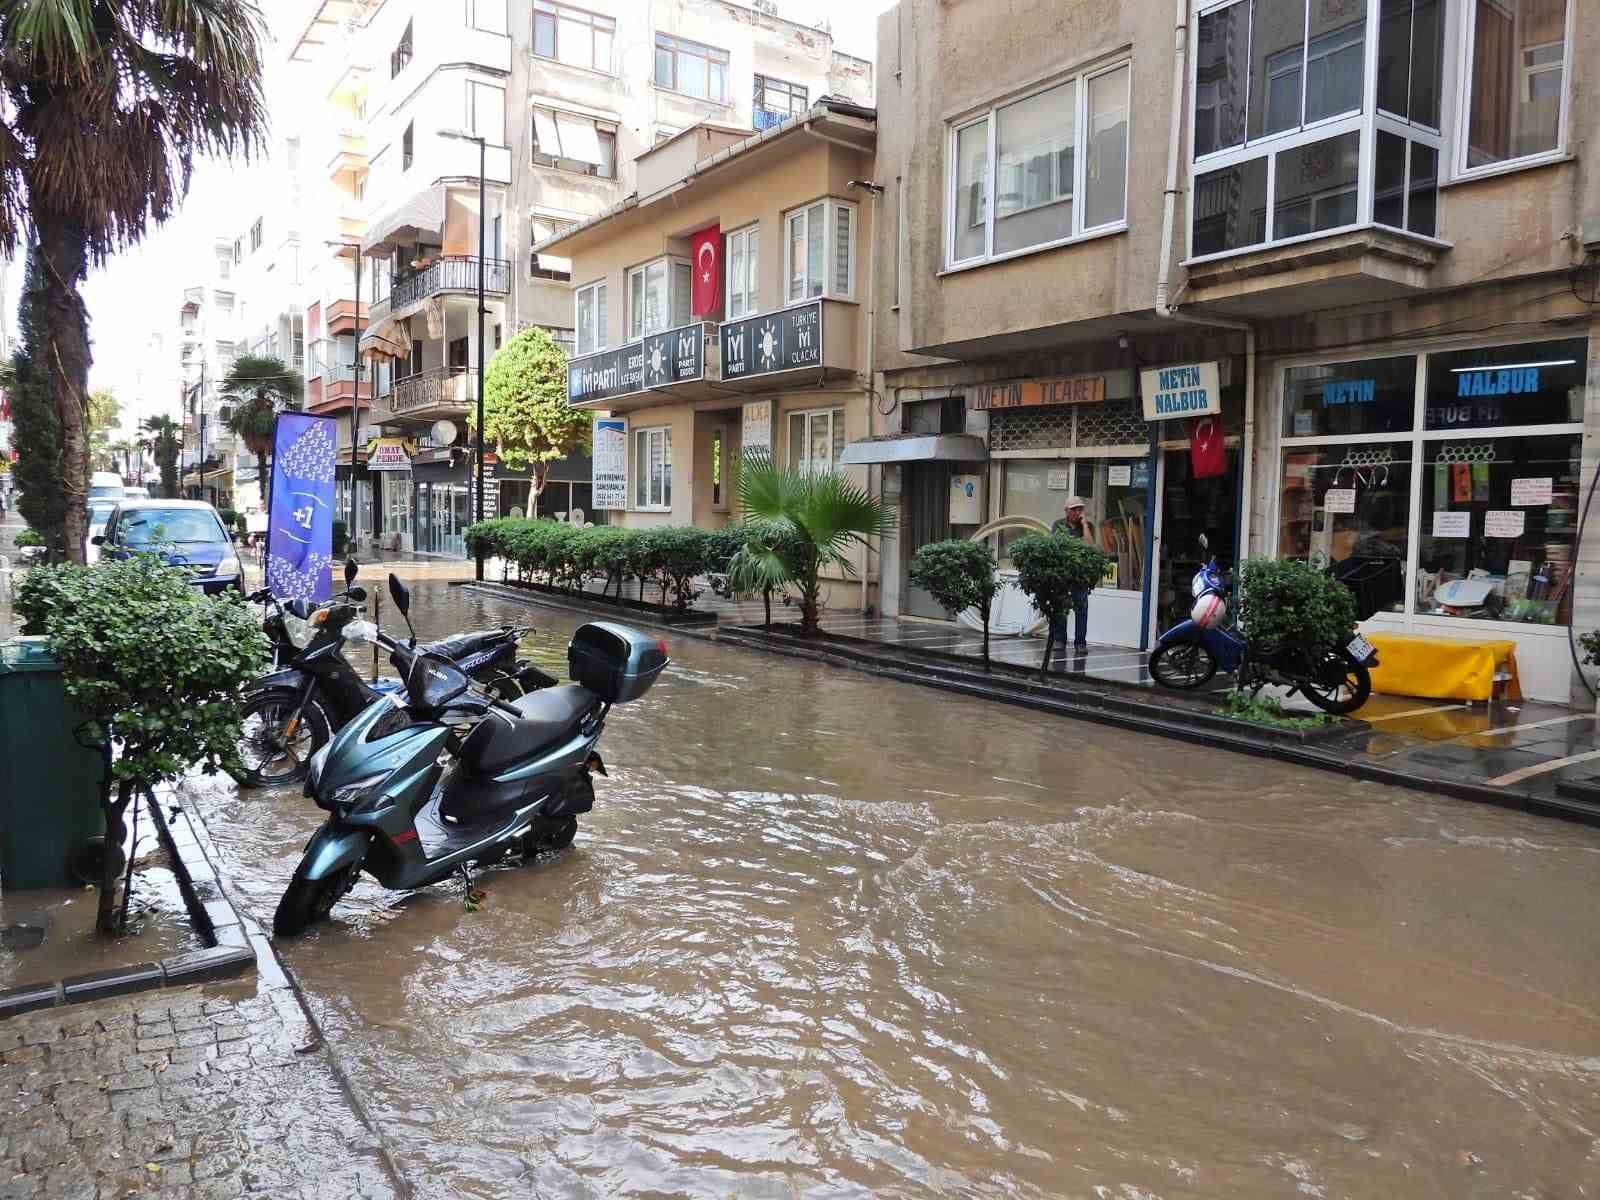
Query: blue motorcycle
<point x="1337" y="679"/>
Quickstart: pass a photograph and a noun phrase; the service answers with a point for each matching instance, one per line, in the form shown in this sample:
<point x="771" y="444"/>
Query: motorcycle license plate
<point x="1360" y="649"/>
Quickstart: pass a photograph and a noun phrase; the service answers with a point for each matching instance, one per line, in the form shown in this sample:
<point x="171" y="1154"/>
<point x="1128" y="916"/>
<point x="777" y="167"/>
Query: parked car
<point x="186" y="533"/>
<point x="106" y="485"/>
<point x="136" y="493"/>
<point x="99" y="513"/>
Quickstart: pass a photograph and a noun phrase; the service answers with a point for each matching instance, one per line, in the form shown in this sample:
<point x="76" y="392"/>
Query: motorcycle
<point x="1337" y="679"/>
<point x="444" y="774"/>
<point x="312" y="691"/>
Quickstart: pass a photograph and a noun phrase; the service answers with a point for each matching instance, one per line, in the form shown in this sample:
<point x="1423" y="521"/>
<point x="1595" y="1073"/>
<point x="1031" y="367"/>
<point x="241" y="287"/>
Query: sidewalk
<point x="201" y="1093"/>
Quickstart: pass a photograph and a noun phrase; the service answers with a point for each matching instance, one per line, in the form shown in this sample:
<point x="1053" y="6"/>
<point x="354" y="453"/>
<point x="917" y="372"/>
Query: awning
<point x="420" y="215"/>
<point x="384" y="339"/>
<point x="578" y="138"/>
<point x="915" y="447"/>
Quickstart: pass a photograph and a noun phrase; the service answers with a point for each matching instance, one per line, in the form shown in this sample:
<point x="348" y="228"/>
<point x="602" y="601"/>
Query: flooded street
<point x="828" y="935"/>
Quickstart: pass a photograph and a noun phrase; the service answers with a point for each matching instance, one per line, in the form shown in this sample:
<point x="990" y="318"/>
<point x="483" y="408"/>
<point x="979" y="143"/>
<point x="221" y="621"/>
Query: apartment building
<point x="726" y="299"/>
<point x="1353" y="240"/>
<point x="206" y="338"/>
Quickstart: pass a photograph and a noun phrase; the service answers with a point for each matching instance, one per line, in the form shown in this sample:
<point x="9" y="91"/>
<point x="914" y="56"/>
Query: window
<point x="487" y="15"/>
<point x="690" y="68"/>
<point x="591" y="319"/>
<point x="238" y="251"/>
<point x="401" y="57"/>
<point x="499" y="335"/>
<point x="565" y="338"/>
<point x="816" y="440"/>
<point x="408" y="145"/>
<point x="652" y="468"/>
<point x="224" y="266"/>
<point x="659" y="295"/>
<point x="775" y="101"/>
<point x="574" y="143"/>
<point x="1446" y="489"/>
<point x="256" y="234"/>
<point x="548" y="266"/>
<point x="486" y="112"/>
<point x="1515" y="88"/>
<point x="573" y="36"/>
<point x="458" y="354"/>
<point x="821" y="251"/>
<point x="1059" y="164"/>
<point x="742" y="254"/>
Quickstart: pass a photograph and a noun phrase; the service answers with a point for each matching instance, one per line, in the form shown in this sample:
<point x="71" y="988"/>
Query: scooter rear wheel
<point x="550" y="837"/>
<point x="307" y="901"/>
<point x="1182" y="666"/>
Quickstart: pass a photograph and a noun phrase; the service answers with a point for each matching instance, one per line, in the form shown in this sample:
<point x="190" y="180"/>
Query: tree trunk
<point x="766" y="601"/>
<point x="116" y="829"/>
<point x="1049" y="645"/>
<point x="985" y="637"/>
<point x="261" y="477"/>
<point x="64" y="350"/>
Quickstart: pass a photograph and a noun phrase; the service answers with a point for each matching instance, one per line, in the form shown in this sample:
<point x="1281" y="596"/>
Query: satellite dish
<point x="444" y="433"/>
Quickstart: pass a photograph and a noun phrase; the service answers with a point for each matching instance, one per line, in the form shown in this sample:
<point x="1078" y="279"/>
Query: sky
<point x="137" y="293"/>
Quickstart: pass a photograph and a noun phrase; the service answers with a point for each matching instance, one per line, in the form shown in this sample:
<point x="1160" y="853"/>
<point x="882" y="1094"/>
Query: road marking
<point x="1498" y="730"/>
<point x="1414" y="712"/>
<point x="1554" y="764"/>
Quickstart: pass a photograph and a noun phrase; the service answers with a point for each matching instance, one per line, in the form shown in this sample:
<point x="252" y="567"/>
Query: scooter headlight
<point x="351" y="794"/>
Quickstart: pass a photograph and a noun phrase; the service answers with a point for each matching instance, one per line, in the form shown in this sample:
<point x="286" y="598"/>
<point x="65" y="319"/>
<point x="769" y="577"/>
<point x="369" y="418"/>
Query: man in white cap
<point x="1072" y="524"/>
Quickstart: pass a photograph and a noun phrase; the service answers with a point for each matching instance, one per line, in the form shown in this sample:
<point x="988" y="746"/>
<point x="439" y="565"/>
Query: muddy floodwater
<point x="826" y="935"/>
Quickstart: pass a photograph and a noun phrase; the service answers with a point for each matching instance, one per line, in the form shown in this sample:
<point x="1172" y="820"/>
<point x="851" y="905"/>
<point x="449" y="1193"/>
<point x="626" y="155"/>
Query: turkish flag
<point x="706" y="249"/>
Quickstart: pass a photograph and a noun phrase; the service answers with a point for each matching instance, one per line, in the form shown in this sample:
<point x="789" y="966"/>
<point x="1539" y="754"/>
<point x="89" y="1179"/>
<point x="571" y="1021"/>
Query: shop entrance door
<point x="926" y="495"/>
<point x="1189" y="507"/>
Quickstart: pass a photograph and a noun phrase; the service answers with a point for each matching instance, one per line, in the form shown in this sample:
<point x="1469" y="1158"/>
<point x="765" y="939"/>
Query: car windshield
<point x="159" y="526"/>
<point x="99" y="512"/>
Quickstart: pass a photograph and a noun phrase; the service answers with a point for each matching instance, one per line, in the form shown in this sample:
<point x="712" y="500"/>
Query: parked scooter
<point x="444" y="774"/>
<point x="1336" y="679"/>
<point x="313" y="691"/>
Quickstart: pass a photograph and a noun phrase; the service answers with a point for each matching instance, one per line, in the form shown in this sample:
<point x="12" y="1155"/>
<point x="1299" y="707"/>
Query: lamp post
<point x="483" y="222"/>
<point x="355" y="404"/>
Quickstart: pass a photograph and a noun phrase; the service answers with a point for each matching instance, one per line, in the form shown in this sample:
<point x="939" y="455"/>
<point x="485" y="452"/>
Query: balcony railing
<point x="442" y="387"/>
<point x="768" y="118"/>
<point x="458" y="273"/>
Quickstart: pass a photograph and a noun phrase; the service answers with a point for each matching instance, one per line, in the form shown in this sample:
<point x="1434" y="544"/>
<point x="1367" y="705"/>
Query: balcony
<point x="455" y="274"/>
<point x="349" y="153"/>
<point x="343" y="317"/>
<point x="430" y="395"/>
<point x="768" y="118"/>
<point x="339" y="388"/>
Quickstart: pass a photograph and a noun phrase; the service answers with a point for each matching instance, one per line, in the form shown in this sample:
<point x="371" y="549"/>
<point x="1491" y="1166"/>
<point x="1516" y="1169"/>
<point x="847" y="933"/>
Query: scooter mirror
<point x="350" y="569"/>
<point x="1205" y="543"/>
<point x="359" y="595"/>
<point x="401" y="596"/>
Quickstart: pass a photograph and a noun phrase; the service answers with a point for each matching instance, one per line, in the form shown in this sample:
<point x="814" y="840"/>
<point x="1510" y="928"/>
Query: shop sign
<point x="1032" y="393"/>
<point x="757" y="430"/>
<point x="609" y="480"/>
<point x="1532" y="493"/>
<point x="1119" y="476"/>
<point x="790" y="340"/>
<point x="1506" y="381"/>
<point x="1452" y="524"/>
<point x="1339" y="500"/>
<point x="1504" y="523"/>
<point x="1338" y="392"/>
<point x="660" y="360"/>
<point x="1059" y="480"/>
<point x="389" y="454"/>
<point x="1188" y="390"/>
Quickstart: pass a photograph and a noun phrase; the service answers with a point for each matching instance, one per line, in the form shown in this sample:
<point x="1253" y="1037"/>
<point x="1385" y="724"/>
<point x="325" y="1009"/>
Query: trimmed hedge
<point x="569" y="558"/>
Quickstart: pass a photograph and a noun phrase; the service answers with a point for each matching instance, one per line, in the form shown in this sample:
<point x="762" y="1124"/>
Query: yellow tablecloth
<point x="1442" y="668"/>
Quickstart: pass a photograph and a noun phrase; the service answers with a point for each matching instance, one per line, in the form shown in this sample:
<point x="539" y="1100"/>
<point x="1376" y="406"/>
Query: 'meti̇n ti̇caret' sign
<point x="1190" y="390"/>
<point x="1029" y="393"/>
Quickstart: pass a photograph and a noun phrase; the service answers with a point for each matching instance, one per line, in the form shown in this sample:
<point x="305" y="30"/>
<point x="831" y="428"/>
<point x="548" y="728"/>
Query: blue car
<point x="186" y="533"/>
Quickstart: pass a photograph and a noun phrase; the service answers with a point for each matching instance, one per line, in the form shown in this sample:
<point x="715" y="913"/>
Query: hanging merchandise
<point x="1480" y="483"/>
<point x="1208" y="454"/>
<point x="1461" y="474"/>
<point x="1441" y="485"/>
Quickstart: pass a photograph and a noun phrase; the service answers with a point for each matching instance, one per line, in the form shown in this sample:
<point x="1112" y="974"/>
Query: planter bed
<point x="594" y="602"/>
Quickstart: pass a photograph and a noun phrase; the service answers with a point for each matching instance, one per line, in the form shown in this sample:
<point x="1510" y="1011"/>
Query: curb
<point x="229" y="950"/>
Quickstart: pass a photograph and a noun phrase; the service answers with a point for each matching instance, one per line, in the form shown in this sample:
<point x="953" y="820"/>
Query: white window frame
<point x="641" y="469"/>
<point x="637" y="326"/>
<point x="576" y="166"/>
<point x="750" y="235"/>
<point x="475" y="90"/>
<point x="596" y="288"/>
<point x="1467" y="29"/>
<point x="1080" y="160"/>
<point x="830" y="223"/>
<point x="596" y="22"/>
<point x="477" y="7"/>
<point x="800" y="456"/>
<point x="711" y="55"/>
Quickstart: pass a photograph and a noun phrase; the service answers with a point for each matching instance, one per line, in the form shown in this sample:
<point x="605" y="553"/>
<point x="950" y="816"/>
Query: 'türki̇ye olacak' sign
<point x="1189" y="390"/>
<point x="788" y="340"/>
<point x="675" y="356"/>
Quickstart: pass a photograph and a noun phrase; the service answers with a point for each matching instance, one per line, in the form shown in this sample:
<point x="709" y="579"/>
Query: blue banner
<point x="300" y="532"/>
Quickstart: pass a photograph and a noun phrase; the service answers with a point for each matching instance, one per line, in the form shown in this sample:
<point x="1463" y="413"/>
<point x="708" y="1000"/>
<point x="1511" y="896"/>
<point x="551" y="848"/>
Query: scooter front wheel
<point x="307" y="901"/>
<point x="1182" y="666"/>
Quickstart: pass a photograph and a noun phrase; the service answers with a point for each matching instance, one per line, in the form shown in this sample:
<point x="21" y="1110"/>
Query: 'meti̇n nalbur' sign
<point x="1030" y="393"/>
<point x="1188" y="390"/>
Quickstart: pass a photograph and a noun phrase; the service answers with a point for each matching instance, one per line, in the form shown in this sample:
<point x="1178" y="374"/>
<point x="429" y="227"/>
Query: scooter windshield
<point x="434" y="681"/>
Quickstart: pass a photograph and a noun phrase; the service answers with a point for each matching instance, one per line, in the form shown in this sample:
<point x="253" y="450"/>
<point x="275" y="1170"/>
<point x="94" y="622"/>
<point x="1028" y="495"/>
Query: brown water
<point x="831" y="936"/>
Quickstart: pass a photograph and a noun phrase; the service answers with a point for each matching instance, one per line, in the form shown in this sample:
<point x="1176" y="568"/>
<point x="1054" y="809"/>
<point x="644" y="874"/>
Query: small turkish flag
<point x="706" y="248"/>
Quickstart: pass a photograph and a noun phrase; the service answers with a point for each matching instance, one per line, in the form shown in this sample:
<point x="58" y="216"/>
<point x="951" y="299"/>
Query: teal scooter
<point x="441" y="776"/>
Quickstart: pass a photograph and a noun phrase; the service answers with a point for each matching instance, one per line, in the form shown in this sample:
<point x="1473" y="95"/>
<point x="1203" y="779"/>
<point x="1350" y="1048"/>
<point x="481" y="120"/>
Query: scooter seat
<point x="463" y="644"/>
<point x="548" y="716"/>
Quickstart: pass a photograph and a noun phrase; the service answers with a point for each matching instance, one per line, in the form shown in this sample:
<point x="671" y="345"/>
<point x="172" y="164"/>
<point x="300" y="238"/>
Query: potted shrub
<point x="158" y="670"/>
<point x="959" y="574"/>
<point x="1054" y="572"/>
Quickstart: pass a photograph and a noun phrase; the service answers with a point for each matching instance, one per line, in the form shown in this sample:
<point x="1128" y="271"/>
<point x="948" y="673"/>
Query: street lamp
<point x="355" y="405"/>
<point x="462" y="135"/>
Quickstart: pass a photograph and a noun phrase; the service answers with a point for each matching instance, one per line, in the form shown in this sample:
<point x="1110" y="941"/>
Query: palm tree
<point x="801" y="523"/>
<point x="120" y="454"/>
<point x="164" y="436"/>
<point x="260" y="388"/>
<point x="104" y="105"/>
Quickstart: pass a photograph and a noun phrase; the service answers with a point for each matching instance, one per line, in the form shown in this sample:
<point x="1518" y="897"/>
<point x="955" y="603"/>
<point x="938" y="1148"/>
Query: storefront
<point x="1153" y="481"/>
<point x="1443" y="484"/>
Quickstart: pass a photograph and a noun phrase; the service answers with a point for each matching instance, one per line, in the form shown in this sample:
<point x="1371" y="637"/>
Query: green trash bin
<point x="49" y="784"/>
